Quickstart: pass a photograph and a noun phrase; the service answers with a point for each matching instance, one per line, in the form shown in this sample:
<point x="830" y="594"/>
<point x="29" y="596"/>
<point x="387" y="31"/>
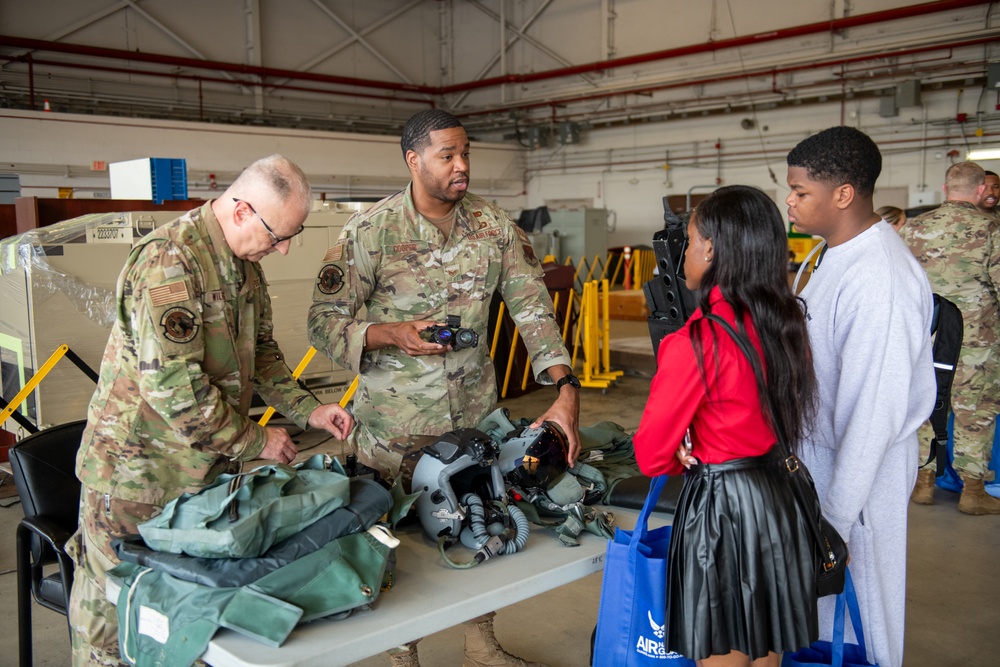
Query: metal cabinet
<point x="583" y="232"/>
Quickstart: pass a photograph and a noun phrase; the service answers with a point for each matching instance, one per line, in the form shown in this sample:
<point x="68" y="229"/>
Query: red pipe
<point x="759" y="38"/>
<point x="195" y="63"/>
<point x="729" y="77"/>
<point x="215" y="79"/>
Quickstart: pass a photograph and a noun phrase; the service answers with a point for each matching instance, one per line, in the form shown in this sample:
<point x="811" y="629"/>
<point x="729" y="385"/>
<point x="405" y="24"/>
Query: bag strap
<point x="847" y="603"/>
<point x="792" y="463"/>
<point x="837" y="640"/>
<point x="754" y="359"/>
<point x="641" y="527"/>
<point x="851" y="596"/>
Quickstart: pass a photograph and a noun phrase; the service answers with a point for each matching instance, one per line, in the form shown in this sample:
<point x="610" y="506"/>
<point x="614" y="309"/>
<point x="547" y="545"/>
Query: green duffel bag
<point x="239" y="516"/>
<point x="168" y="622"/>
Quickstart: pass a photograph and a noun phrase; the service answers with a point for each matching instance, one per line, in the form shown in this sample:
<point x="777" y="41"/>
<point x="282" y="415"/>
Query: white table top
<point x="427" y="597"/>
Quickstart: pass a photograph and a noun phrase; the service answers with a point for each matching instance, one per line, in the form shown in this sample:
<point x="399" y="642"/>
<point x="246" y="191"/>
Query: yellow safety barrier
<point x="496" y="331"/>
<point x="569" y="314"/>
<point x="596" y="334"/>
<point x="606" y="371"/>
<point x="576" y="274"/>
<point x="349" y="394"/>
<point x="650" y="268"/>
<point x="605" y="265"/>
<point x="643" y="263"/>
<point x="590" y="273"/>
<point x="30" y="385"/>
<point x="618" y="267"/>
<point x="306" y="358"/>
<point x="510" y="363"/>
<point x="310" y="353"/>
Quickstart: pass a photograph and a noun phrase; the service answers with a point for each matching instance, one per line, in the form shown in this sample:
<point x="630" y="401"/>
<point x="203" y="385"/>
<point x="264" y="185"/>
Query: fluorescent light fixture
<point x="984" y="154"/>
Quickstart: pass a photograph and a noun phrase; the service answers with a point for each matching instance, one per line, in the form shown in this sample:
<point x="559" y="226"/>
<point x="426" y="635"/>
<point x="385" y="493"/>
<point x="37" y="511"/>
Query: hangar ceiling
<point x="366" y="65"/>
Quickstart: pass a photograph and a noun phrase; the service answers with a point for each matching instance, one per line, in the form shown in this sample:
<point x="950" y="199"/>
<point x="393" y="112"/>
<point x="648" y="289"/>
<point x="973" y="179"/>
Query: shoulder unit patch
<point x="331" y="279"/>
<point x="179" y="325"/>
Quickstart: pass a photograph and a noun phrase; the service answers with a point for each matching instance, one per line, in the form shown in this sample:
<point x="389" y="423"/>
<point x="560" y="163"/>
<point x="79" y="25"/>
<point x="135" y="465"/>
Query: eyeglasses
<point x="276" y="239"/>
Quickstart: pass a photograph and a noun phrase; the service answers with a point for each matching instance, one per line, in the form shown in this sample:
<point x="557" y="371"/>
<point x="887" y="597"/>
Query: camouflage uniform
<point x="394" y="263"/>
<point x="192" y="341"/>
<point x="959" y="248"/>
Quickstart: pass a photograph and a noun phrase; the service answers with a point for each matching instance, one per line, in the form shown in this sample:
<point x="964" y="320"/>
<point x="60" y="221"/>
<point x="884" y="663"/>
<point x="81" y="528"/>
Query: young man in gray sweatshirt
<point x="869" y="317"/>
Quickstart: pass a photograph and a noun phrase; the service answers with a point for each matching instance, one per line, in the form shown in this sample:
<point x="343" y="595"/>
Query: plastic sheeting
<point x="29" y="252"/>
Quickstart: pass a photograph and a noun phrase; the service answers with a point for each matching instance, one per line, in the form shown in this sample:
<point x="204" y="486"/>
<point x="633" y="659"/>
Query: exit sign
<point x="98" y="165"/>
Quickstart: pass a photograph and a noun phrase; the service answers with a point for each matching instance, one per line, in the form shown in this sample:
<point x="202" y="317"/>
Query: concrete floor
<point x="953" y="592"/>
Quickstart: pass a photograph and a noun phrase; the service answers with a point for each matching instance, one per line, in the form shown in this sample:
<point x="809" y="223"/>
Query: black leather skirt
<point x="742" y="567"/>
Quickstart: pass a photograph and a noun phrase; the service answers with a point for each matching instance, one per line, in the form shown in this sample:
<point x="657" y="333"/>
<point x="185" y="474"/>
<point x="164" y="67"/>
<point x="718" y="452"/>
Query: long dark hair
<point x="750" y="267"/>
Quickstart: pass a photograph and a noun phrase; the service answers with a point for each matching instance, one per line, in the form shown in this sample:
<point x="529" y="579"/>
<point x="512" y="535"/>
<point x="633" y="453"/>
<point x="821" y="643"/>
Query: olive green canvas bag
<point x="239" y="516"/>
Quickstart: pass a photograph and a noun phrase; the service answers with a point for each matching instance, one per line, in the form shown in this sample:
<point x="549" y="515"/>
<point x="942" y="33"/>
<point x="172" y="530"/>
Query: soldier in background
<point x="988" y="204"/>
<point x="430" y="251"/>
<point x="959" y="248"/>
<point x="192" y="341"/>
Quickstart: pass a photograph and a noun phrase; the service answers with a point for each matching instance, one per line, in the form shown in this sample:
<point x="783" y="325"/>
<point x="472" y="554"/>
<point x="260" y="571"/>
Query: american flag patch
<point x="169" y="293"/>
<point x="334" y="254"/>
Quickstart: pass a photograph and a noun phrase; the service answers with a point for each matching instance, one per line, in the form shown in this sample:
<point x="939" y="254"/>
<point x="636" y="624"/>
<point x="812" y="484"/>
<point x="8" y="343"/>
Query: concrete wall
<point x="53" y="150"/>
<point x="623" y="170"/>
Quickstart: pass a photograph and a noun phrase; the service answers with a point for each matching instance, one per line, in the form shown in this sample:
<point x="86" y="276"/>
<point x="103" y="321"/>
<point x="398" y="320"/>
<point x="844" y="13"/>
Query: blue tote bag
<point x="836" y="653"/>
<point x="630" y="621"/>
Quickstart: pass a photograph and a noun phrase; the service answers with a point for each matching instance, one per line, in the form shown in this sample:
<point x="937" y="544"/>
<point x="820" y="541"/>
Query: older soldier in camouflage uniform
<point x="192" y="341"/>
<point x="959" y="247"/>
<point x="988" y="203"/>
<point x="411" y="260"/>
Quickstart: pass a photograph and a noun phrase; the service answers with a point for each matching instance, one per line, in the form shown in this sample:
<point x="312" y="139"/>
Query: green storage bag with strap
<point x="239" y="516"/>
<point x="168" y="622"/>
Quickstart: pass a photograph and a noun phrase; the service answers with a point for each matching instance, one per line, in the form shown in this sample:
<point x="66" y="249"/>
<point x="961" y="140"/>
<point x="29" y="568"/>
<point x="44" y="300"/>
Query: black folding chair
<point x="43" y="467"/>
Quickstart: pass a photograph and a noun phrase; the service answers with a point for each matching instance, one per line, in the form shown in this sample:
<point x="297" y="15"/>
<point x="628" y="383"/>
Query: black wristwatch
<point x="570" y="379"/>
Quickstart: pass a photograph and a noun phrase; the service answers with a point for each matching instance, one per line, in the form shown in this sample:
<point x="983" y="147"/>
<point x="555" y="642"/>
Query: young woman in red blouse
<point x="742" y="577"/>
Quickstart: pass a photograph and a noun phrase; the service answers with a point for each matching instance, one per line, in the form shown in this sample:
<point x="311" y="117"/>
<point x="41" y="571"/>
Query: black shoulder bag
<point x="831" y="550"/>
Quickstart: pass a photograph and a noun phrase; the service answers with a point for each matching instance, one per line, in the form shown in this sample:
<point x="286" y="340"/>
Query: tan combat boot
<point x="483" y="650"/>
<point x="923" y="492"/>
<point x="406" y="658"/>
<point x="974" y="499"/>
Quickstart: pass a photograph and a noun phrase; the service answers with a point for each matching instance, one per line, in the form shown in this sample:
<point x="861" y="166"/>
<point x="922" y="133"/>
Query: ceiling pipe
<point x="768" y="71"/>
<point x="706" y="47"/>
<point x="735" y="42"/>
<point x="213" y="79"/>
<point x="195" y="63"/>
<point x="895" y="146"/>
